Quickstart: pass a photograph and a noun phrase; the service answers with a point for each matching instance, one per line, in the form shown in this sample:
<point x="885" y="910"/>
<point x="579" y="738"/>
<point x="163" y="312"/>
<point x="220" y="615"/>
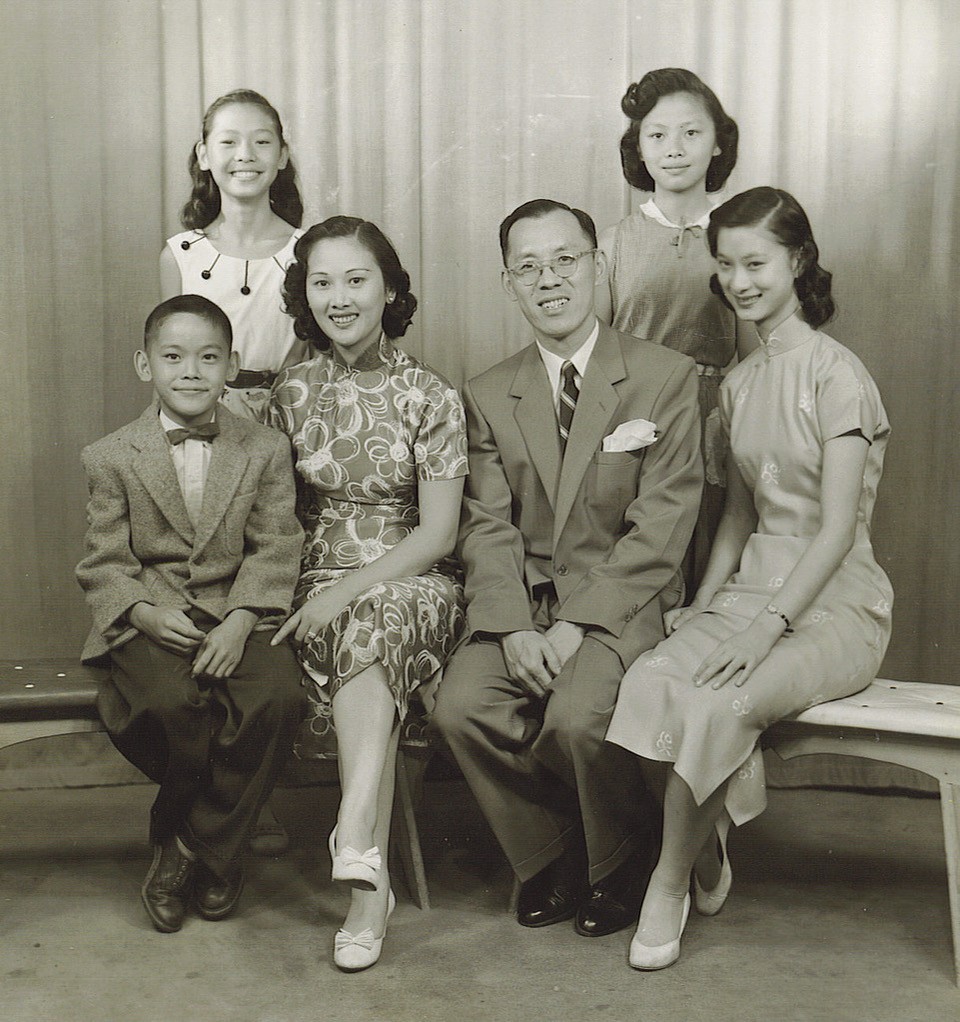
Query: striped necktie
<point x="569" y="392"/>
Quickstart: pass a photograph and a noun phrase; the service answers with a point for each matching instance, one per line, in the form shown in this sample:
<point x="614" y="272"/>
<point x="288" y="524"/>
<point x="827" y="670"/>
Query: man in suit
<point x="571" y="538"/>
<point x="192" y="554"/>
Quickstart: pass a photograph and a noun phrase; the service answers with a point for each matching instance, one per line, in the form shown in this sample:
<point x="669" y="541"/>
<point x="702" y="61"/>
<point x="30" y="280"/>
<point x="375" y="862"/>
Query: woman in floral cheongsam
<point x="793" y="608"/>
<point x="380" y="447"/>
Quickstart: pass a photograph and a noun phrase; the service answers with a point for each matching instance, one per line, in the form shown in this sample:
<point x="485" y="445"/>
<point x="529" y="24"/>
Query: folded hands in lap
<point x="535" y="658"/>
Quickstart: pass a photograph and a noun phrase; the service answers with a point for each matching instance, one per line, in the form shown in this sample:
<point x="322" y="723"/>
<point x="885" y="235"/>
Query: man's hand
<point x="168" y="628"/>
<point x="565" y="637"/>
<point x="222" y="648"/>
<point x="531" y="660"/>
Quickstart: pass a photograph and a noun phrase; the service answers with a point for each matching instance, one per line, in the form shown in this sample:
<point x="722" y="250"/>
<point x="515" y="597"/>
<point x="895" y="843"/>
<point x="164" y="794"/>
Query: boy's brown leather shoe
<point x="167" y="887"/>
<point x="216" y="896"/>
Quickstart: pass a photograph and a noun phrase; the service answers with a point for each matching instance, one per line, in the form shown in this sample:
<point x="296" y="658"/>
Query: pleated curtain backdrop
<point x="435" y="118"/>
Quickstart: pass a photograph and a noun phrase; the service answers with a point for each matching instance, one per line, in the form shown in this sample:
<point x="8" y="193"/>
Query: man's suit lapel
<point x="596" y="406"/>
<point x="228" y="462"/>
<point x="154" y="467"/>
<point x="537" y="419"/>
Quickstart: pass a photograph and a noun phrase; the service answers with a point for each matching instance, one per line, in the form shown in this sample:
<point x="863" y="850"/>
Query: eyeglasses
<point x="564" y="265"/>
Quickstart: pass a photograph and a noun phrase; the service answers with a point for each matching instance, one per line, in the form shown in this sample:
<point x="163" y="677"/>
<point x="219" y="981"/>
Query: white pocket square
<point x="631" y="436"/>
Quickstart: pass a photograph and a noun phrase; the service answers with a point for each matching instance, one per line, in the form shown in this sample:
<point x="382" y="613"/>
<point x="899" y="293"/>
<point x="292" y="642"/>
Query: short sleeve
<point x="848" y="402"/>
<point x="724" y="407"/>
<point x="440" y="445"/>
<point x="289" y="396"/>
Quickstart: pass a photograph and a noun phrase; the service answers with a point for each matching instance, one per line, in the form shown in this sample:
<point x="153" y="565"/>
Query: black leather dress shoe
<point x="217" y="896"/>
<point x="554" y="894"/>
<point x="167" y="887"/>
<point x="545" y="904"/>
<point x="614" y="902"/>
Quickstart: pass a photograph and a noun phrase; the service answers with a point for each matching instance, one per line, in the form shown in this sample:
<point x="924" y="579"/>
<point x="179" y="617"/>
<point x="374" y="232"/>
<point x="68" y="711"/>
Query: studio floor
<point x="838" y="913"/>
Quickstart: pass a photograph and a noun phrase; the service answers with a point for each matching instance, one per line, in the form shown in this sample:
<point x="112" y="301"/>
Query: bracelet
<point x="772" y="609"/>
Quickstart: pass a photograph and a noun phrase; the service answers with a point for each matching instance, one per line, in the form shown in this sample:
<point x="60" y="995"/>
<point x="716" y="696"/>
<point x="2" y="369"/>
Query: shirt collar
<point x="167" y="423"/>
<point x="580" y="358"/>
<point x="652" y="210"/>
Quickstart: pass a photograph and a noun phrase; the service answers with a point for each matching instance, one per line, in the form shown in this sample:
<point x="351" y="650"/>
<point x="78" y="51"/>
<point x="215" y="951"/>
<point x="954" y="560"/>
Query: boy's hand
<point x="222" y="647"/>
<point x="171" y="629"/>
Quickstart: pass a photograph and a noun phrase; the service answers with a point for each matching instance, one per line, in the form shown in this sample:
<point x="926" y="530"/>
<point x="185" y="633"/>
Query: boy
<point x="192" y="554"/>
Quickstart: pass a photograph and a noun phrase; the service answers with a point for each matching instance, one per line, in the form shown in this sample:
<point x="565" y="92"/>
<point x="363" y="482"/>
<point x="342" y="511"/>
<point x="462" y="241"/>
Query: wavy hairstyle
<point x="641" y="97"/>
<point x="203" y="206"/>
<point x="397" y="314"/>
<point x="779" y="213"/>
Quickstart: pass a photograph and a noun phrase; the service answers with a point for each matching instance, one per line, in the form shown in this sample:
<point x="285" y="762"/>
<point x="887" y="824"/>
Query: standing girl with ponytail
<point x="242" y="221"/>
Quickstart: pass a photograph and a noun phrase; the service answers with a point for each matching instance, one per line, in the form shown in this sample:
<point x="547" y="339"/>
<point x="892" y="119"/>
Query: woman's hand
<point x="313" y="616"/>
<point x="673" y="619"/>
<point x="740" y="655"/>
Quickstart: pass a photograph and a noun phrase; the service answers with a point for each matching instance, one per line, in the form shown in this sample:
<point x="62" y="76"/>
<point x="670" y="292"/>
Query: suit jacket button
<point x="562" y="570"/>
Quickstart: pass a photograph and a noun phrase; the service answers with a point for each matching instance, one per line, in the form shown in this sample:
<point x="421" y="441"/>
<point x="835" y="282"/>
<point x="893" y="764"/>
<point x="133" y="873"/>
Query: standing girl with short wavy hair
<point x="680" y="145"/>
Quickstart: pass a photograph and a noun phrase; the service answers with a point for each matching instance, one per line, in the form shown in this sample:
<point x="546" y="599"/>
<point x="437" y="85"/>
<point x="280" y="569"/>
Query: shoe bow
<point x="344" y="939"/>
<point x="371" y="857"/>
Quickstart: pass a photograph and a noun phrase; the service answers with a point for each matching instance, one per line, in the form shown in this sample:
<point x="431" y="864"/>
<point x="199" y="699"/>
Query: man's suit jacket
<point x="607" y="529"/>
<point x="141" y="545"/>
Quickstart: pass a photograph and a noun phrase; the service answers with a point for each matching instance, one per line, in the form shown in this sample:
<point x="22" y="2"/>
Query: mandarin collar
<point x="381" y="355"/>
<point x="786" y="336"/>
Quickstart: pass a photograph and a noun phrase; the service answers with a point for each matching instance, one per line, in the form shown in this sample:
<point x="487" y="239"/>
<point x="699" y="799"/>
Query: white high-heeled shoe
<point x="709" y="903"/>
<point x="358" y="869"/>
<point x="659" y="957"/>
<point x="353" y="952"/>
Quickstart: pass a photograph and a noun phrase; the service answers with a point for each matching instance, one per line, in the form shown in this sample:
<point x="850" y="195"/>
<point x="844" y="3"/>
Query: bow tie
<point x="206" y="431"/>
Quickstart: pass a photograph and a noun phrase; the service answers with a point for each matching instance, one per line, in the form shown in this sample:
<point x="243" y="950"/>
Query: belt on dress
<point x="252" y="378"/>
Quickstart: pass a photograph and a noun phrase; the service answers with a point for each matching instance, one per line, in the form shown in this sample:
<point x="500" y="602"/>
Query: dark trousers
<point x="541" y="771"/>
<point x="214" y="746"/>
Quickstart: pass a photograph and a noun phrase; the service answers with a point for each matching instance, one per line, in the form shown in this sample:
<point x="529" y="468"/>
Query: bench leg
<point x="514" y="902"/>
<point x="409" y="843"/>
<point x="950" y="808"/>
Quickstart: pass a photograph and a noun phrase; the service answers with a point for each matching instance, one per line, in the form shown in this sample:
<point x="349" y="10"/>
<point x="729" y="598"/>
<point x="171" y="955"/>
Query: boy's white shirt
<point x="191" y="460"/>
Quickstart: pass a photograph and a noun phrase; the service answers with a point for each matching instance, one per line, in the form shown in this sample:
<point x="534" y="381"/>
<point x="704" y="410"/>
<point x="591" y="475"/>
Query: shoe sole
<point x="605" y="933"/>
<point x="548" y="922"/>
<point x="355" y="882"/>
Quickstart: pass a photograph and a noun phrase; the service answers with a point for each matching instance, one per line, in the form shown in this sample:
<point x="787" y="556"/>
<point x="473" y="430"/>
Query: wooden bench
<point x="44" y="698"/>
<point x="906" y="723"/>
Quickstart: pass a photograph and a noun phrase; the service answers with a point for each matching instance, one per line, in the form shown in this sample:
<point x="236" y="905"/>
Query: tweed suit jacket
<point x="609" y="530"/>
<point x="141" y="545"/>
